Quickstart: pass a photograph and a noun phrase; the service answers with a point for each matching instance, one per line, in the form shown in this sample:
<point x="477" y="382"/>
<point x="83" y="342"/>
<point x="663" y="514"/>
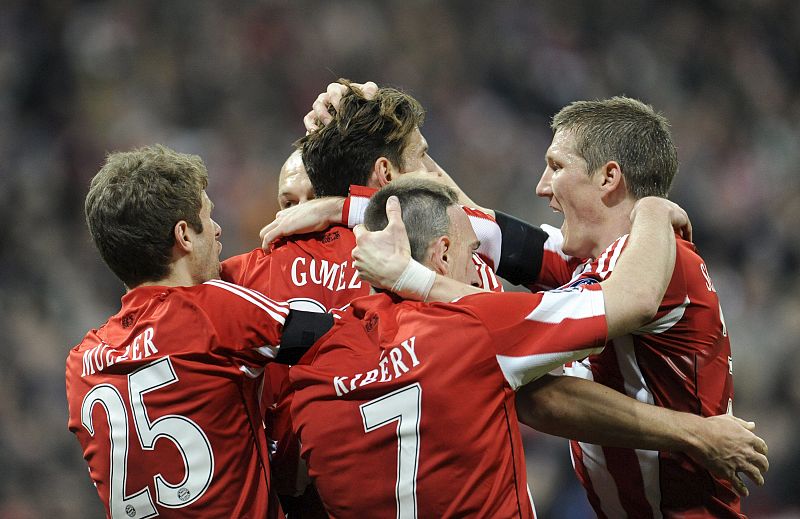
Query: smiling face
<point x="206" y="246"/>
<point x="566" y="182"/>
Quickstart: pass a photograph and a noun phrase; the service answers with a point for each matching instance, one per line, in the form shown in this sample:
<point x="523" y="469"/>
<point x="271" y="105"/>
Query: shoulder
<point x="235" y="268"/>
<point x="603" y="266"/>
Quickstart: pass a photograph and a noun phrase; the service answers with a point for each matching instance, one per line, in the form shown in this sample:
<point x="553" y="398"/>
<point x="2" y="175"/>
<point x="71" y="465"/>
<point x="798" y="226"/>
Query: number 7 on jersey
<point x="404" y="407"/>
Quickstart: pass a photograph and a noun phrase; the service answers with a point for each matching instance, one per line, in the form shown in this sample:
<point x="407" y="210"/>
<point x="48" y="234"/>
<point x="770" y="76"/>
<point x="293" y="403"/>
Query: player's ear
<point x="183" y="238"/>
<point x="438" y="255"/>
<point x="382" y="172"/>
<point x="611" y="180"/>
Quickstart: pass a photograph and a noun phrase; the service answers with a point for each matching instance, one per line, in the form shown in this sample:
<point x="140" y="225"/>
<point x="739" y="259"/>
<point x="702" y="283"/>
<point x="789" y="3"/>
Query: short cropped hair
<point x="424" y="204"/>
<point x="629" y="132"/>
<point x="133" y="204"/>
<point x="342" y="153"/>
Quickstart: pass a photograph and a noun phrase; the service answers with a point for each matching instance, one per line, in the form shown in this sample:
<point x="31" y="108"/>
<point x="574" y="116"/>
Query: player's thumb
<point x="359" y="231"/>
<point x="394" y="214"/>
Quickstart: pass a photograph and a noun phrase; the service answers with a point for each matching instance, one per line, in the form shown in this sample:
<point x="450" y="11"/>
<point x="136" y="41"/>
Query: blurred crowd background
<point x="231" y="81"/>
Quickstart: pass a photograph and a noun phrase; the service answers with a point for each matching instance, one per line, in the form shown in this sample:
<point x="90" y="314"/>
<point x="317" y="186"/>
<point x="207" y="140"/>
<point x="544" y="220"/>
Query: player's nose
<point x="545" y="186"/>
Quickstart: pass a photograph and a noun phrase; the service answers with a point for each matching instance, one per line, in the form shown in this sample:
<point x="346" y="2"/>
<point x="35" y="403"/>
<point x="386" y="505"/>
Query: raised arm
<point x="646" y="265"/>
<point x="314" y="215"/>
<point x="586" y="411"/>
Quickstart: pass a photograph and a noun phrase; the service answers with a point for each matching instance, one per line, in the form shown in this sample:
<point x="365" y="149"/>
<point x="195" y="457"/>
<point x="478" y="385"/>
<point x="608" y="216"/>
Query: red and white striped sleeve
<point x="245" y="321"/>
<point x="355" y="205"/>
<point x="536" y="333"/>
<point x="488" y="233"/>
<point x="486" y="274"/>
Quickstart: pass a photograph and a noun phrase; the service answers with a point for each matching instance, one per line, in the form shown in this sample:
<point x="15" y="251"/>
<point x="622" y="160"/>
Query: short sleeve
<point x="245" y="323"/>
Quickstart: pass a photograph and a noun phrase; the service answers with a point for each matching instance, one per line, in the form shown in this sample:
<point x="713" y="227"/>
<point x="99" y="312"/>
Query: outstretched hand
<point x="320" y="114"/>
<point x="314" y="215"/>
<point x="382" y="256"/>
<point x="729" y="449"/>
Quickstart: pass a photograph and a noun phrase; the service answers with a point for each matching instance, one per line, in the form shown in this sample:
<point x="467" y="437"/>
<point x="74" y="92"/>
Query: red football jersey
<point x="312" y="272"/>
<point x="406" y="409"/>
<point x="164" y="401"/>
<point x="682" y="361"/>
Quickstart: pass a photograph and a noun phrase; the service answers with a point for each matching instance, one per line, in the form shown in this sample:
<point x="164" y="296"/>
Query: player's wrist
<point x="415" y="282"/>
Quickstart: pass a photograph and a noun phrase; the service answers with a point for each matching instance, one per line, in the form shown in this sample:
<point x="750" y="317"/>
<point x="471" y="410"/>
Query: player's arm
<point x="254" y="329"/>
<point x="383" y="259"/>
<point x="314" y="215"/>
<point x="586" y="411"/>
<point x="646" y="265"/>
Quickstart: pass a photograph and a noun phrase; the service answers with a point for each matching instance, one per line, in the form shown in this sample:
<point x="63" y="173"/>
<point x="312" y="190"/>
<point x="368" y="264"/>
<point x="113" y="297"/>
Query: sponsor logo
<point x="331" y="236"/>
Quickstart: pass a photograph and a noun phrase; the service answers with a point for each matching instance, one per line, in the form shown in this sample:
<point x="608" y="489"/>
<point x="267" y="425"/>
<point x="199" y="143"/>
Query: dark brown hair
<point x="133" y="204"/>
<point x="342" y="153"/>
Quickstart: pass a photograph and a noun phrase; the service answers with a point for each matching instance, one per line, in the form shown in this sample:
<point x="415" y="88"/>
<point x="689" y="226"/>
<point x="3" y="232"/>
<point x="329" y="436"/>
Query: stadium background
<point x="231" y="81"/>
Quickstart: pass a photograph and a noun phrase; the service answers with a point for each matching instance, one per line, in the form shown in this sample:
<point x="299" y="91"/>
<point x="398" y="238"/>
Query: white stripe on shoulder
<point x="278" y="307"/>
<point x="358" y="206"/>
<point x="519" y="371"/>
<point x="557" y="305"/>
<point x="488" y="233"/>
<point x="235" y="289"/>
<point x="663" y="324"/>
<point x="270" y="352"/>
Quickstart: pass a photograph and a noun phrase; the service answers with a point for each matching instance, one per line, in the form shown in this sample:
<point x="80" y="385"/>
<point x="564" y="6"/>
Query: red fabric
<point x="436" y="366"/>
<point x="683" y="365"/>
<point x="179" y="366"/>
<point x="313" y="272"/>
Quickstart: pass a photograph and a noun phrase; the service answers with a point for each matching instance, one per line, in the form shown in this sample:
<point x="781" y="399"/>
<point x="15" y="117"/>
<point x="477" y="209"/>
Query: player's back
<point x="164" y="401"/>
<point x="314" y="271"/>
<point x="403" y="411"/>
<point x="682" y="361"/>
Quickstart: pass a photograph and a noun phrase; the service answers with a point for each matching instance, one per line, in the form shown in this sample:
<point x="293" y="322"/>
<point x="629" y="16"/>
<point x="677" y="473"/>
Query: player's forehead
<point x="206" y="204"/>
<point x="563" y="146"/>
<point x="293" y="165"/>
<point x="416" y="142"/>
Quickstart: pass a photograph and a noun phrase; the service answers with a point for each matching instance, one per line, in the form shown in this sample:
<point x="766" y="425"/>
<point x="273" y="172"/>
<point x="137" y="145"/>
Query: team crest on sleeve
<point x="580" y="282"/>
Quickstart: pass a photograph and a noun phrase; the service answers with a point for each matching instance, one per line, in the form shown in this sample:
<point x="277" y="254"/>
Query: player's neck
<point x="617" y="223"/>
<point x="180" y="276"/>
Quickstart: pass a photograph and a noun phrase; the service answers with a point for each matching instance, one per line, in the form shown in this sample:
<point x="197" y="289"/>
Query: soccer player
<point x="407" y="409"/>
<point x="163" y="397"/>
<point x="606" y="155"/>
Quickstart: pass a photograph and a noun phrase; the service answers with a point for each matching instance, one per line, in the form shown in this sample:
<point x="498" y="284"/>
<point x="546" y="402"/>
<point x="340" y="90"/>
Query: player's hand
<point x="314" y="215"/>
<point x="678" y="217"/>
<point x="381" y="256"/>
<point x="320" y="113"/>
<point x="728" y="448"/>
